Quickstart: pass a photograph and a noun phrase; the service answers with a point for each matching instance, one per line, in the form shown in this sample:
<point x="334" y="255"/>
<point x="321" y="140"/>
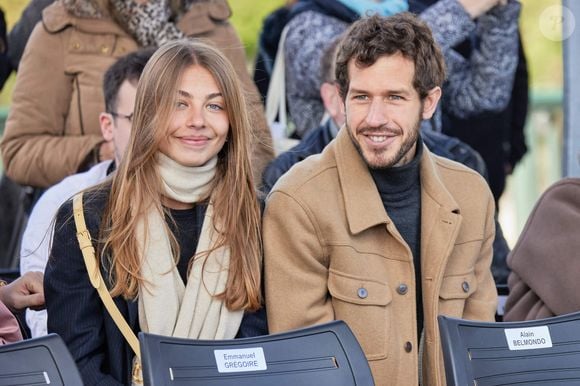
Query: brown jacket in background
<point x="545" y="265"/>
<point x="331" y="252"/>
<point x="53" y="124"/>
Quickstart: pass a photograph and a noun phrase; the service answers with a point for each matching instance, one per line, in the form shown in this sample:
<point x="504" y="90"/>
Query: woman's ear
<point x="430" y="102"/>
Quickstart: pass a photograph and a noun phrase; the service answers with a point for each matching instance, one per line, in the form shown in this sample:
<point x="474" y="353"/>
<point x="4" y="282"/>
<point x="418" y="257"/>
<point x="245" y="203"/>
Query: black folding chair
<point x="536" y="352"/>
<point x="323" y="355"/>
<point x="40" y="361"/>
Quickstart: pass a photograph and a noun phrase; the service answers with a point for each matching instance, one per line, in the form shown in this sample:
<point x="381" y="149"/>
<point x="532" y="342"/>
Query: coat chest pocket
<point x="454" y="292"/>
<point x="364" y="304"/>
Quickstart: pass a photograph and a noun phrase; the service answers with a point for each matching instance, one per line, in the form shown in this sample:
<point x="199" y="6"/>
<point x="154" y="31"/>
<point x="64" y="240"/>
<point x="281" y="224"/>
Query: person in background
<point x="376" y="230"/>
<point x="119" y="88"/>
<point x="54" y="132"/>
<point x="316" y="140"/>
<point x="499" y="136"/>
<point x="482" y="82"/>
<point x="268" y="40"/>
<point x="179" y="256"/>
<point x="24" y="292"/>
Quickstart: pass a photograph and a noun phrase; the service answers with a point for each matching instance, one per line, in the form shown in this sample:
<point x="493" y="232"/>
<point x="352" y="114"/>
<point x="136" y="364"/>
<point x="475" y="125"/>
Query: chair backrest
<point x="40" y="361"/>
<point x="327" y="354"/>
<point x="534" y="352"/>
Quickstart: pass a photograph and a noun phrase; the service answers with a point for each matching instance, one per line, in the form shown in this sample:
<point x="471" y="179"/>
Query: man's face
<point x="383" y="110"/>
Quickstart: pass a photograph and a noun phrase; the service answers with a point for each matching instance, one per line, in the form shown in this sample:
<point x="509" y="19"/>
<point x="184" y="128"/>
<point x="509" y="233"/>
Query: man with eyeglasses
<point x="119" y="86"/>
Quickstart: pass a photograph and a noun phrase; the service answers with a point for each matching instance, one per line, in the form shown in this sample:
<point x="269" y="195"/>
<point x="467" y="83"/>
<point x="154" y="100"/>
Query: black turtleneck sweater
<point x="400" y="190"/>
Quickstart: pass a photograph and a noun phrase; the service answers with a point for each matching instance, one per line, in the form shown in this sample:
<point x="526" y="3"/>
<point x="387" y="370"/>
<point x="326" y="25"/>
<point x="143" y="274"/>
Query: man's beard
<point x="405" y="147"/>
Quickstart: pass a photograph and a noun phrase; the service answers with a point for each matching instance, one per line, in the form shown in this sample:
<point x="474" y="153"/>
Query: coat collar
<point x="364" y="208"/>
<point x="55" y="18"/>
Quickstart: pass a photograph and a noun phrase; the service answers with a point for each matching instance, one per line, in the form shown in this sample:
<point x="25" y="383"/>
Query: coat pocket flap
<point x="458" y="286"/>
<point x="358" y="290"/>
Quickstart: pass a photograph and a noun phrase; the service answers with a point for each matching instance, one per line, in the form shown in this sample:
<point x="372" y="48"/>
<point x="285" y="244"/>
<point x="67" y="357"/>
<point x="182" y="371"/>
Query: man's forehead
<point x="395" y="70"/>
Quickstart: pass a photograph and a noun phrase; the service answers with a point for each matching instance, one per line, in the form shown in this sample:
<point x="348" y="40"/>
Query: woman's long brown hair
<point x="136" y="187"/>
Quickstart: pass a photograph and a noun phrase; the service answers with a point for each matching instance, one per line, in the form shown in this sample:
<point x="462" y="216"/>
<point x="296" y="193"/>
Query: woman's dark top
<point x="76" y="312"/>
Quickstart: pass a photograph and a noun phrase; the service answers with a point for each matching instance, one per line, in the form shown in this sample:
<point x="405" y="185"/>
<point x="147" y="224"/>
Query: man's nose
<point x="377" y="113"/>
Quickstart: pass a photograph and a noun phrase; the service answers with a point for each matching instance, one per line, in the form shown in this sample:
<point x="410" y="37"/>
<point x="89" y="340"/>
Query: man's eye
<point x="360" y="97"/>
<point x="395" y="97"/>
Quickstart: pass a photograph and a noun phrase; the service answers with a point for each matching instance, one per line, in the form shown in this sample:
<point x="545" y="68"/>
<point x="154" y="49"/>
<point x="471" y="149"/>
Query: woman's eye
<point x="180" y="105"/>
<point x="214" y="107"/>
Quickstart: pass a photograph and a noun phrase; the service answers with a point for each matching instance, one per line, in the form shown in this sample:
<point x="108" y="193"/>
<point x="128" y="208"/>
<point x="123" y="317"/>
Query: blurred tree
<point x="544" y="55"/>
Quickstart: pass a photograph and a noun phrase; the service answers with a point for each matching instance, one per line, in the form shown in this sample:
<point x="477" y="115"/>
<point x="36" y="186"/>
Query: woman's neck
<point x="174" y="204"/>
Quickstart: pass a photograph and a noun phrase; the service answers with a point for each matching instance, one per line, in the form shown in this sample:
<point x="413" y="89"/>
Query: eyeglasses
<point x="127" y="117"/>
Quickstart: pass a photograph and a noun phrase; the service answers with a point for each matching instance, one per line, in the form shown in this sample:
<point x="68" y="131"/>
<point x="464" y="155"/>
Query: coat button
<point x="402" y="289"/>
<point x="465" y="286"/>
<point x="362" y="293"/>
<point x="104" y="49"/>
<point x="408" y="346"/>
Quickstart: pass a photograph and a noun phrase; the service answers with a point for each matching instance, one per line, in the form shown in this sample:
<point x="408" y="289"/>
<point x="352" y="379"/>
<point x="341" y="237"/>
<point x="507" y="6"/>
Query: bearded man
<point x="377" y="230"/>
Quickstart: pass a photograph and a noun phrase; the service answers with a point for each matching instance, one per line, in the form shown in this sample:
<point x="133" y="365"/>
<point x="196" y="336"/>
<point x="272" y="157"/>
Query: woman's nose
<point x="195" y="117"/>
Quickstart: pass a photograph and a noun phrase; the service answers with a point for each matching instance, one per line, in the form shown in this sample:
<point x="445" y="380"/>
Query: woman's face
<point x="199" y="124"/>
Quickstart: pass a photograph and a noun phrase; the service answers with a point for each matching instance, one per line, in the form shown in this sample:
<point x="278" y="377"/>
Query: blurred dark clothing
<point x="330" y="8"/>
<point x="268" y="47"/>
<point x="5" y="67"/>
<point x="454" y="149"/>
<point x="313" y="143"/>
<point x="12" y="44"/>
<point x="497" y="136"/>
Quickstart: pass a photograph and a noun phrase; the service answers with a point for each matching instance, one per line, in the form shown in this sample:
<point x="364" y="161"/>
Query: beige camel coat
<point x="331" y="252"/>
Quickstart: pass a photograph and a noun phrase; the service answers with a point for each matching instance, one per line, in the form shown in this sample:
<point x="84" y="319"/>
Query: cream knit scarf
<point x="167" y="306"/>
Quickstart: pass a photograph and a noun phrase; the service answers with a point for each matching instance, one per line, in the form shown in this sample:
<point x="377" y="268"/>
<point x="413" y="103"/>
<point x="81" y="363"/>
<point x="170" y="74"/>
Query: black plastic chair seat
<point x="326" y="354"/>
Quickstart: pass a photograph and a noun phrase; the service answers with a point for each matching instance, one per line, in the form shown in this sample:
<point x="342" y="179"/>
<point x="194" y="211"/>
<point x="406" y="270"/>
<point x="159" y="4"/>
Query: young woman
<point x="177" y="228"/>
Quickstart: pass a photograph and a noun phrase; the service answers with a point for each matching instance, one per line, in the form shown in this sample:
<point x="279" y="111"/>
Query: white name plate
<point x="240" y="360"/>
<point x="530" y="338"/>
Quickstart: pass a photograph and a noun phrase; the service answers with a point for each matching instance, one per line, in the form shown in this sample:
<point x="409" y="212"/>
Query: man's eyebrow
<point x="357" y="91"/>
<point x="399" y="91"/>
<point x="403" y="91"/>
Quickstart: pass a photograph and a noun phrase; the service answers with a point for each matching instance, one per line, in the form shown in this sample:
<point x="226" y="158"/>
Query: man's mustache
<point x="380" y="130"/>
